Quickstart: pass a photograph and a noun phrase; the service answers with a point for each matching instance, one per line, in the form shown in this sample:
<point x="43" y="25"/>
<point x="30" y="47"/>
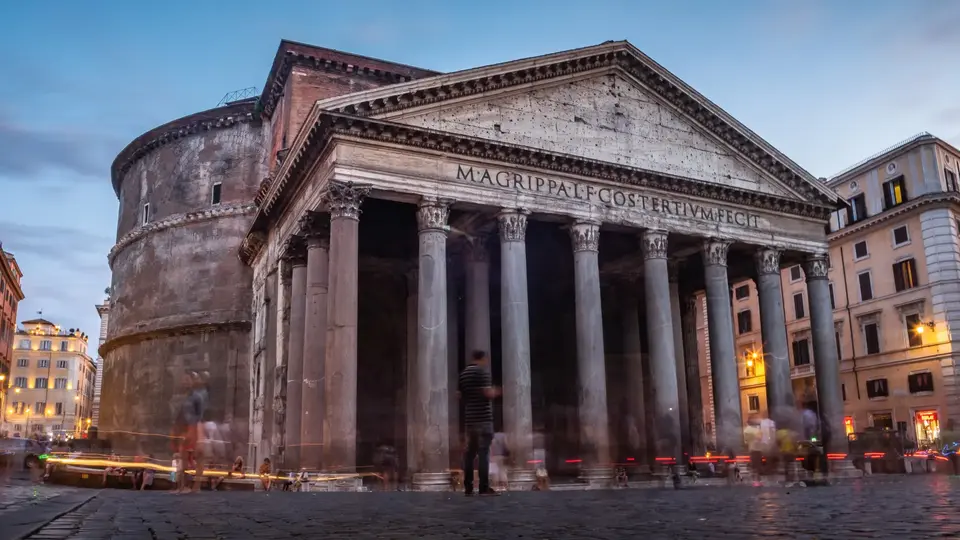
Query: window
<point x="215" y="196"/>
<point x="146" y="214"/>
<point x="57" y="427"/>
<point x="914" y="338"/>
<point x="857" y="211"/>
<point x="18" y="427"/>
<point x="860" y="250"/>
<point x="871" y="337"/>
<point x="20" y="382"/>
<point x="836" y="335"/>
<point x="23" y="362"/>
<point x="753" y="403"/>
<point x="24" y="344"/>
<point x="795" y="273"/>
<point x="877" y="388"/>
<point x="900" y="236"/>
<point x="843" y="391"/>
<point x="59" y="407"/>
<point x="894" y="193"/>
<point x="801" y="352"/>
<point x="744" y="321"/>
<point x="19" y="407"/>
<point x="951" y="180"/>
<point x="39" y="407"/>
<point x="60" y="383"/>
<point x="833" y="300"/>
<point x="43" y="363"/>
<point x="742" y="292"/>
<point x="905" y="274"/>
<point x="866" y="286"/>
<point x="40" y="382"/>
<point x="920" y="382"/>
<point x="64" y="346"/>
<point x="46" y="345"/>
<point x="798" y="306"/>
<point x="61" y="364"/>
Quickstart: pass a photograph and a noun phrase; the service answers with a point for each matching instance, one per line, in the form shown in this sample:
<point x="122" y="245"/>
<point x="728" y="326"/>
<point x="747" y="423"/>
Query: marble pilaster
<point x="681" y="369"/>
<point x="295" y="254"/>
<point x="314" y="228"/>
<point x="268" y="422"/>
<point x="515" y="331"/>
<point x="343" y="201"/>
<point x="726" y="380"/>
<point x="280" y="372"/>
<point x="773" y="329"/>
<point x="594" y="426"/>
<point x="826" y="364"/>
<point x="660" y="338"/>
<point x="432" y="357"/>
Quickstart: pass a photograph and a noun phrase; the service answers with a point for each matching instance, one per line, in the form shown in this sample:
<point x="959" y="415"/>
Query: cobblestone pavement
<point x="25" y="506"/>
<point x="16" y="494"/>
<point x="880" y="507"/>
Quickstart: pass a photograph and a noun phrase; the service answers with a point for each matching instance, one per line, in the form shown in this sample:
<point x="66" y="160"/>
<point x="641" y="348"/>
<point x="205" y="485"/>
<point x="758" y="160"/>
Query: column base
<point x="521" y="479"/>
<point x="597" y="477"/>
<point x="843" y="468"/>
<point x="432" y="481"/>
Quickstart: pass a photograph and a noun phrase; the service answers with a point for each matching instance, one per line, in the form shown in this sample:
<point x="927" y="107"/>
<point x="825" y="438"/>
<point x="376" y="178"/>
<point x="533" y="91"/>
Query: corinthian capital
<point x="512" y="225"/>
<point x="768" y="261"/>
<point x="294" y="252"/>
<point x="585" y="235"/>
<point x="477" y="250"/>
<point x="432" y="215"/>
<point x="816" y="267"/>
<point x="715" y="252"/>
<point x="343" y="199"/>
<point x="315" y="229"/>
<point x="653" y="242"/>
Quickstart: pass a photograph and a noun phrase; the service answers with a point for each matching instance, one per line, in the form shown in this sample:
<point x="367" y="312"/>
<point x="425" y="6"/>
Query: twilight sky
<point x="828" y="83"/>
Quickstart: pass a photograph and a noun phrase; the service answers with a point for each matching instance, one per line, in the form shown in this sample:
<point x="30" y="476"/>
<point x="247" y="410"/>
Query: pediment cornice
<point x="619" y="56"/>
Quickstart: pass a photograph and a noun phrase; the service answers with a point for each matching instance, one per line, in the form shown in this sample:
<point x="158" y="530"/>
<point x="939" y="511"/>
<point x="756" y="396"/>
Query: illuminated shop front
<point x="927" y="424"/>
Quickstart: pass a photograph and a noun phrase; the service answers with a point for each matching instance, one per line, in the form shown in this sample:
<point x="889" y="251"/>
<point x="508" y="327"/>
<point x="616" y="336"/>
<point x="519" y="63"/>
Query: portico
<point x="491" y="208"/>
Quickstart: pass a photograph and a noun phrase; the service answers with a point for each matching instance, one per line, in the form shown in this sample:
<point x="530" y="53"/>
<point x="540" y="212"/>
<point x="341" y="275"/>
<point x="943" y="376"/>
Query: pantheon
<point x="329" y="253"/>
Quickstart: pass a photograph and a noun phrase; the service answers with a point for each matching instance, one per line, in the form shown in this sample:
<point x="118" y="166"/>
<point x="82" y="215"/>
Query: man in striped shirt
<point x="477" y="393"/>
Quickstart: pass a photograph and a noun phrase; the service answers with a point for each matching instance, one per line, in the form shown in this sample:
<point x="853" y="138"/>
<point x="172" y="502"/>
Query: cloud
<point x="25" y="152"/>
<point x="52" y="240"/>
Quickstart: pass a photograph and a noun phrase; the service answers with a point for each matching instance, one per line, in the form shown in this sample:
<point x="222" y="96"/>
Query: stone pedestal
<point x="773" y="327"/>
<point x="515" y="322"/>
<point x="315" y="341"/>
<point x="432" y="358"/>
<point x="594" y="425"/>
<point x="296" y="255"/>
<point x="825" y="361"/>
<point x="660" y="336"/>
<point x="726" y="380"/>
<point x="340" y="374"/>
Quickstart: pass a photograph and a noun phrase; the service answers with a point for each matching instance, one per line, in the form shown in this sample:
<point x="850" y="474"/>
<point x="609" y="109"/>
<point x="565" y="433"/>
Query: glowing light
<point x="754" y="355"/>
<point x="16" y="390"/>
<point x="2" y="377"/>
<point x="919" y="329"/>
<point x="749" y="363"/>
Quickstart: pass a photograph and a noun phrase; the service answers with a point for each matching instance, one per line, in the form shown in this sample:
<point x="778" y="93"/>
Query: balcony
<point x="798" y="372"/>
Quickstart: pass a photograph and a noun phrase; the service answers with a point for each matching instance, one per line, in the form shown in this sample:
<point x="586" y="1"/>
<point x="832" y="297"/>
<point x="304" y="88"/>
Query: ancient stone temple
<point x="558" y="212"/>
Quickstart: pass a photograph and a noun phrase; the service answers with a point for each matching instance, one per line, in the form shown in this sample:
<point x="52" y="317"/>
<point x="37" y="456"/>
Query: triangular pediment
<point x="608" y="103"/>
<point x="604" y="118"/>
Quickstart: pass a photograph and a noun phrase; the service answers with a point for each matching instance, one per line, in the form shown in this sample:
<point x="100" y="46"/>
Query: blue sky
<point x="826" y="82"/>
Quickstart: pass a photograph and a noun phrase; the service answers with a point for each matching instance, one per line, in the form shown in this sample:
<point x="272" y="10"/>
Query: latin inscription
<point x="607" y="196"/>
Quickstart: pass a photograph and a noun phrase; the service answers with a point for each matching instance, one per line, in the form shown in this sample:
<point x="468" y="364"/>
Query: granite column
<point x="726" y="380"/>
<point x="295" y="253"/>
<point x="412" y="449"/>
<point x="684" y="405"/>
<point x="773" y="329"/>
<point x="692" y="363"/>
<point x="633" y="356"/>
<point x="453" y="365"/>
<point x="432" y="357"/>
<point x="477" y="312"/>
<point x="515" y="331"/>
<point x="343" y="201"/>
<point x="660" y="337"/>
<point x="826" y="364"/>
<point x="315" y="229"/>
<point x="594" y="425"/>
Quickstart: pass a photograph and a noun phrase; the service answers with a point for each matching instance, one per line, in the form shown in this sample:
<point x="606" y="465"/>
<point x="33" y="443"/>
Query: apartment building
<point x="104" y="311"/>
<point x="10" y="296"/>
<point x="895" y="284"/>
<point x="50" y="390"/>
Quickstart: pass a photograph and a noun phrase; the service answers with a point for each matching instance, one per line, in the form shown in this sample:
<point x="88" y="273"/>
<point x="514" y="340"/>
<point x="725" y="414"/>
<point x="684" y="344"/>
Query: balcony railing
<point x="805" y="370"/>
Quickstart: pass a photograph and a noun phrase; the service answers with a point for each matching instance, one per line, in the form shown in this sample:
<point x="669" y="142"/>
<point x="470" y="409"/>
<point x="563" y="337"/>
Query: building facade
<point x="894" y="277"/>
<point x="10" y="296"/>
<point x="104" y="311"/>
<point x="51" y="382"/>
<point x="558" y="212"/>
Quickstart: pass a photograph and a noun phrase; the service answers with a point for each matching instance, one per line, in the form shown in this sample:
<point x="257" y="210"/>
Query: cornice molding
<point x="929" y="199"/>
<point x="219" y="118"/>
<point x="178" y="220"/>
<point x="179" y="330"/>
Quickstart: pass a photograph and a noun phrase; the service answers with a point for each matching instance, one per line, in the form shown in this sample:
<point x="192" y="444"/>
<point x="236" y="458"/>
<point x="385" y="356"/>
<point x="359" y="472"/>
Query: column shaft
<point x="660" y="338"/>
<point x="594" y="427"/>
<point x="773" y="329"/>
<point x="412" y="450"/>
<point x="826" y="364"/>
<point x="453" y="371"/>
<point x="432" y="356"/>
<point x="692" y="363"/>
<point x="340" y="372"/>
<point x="298" y="308"/>
<point x="282" y="338"/>
<point x="637" y="423"/>
<point x="269" y="367"/>
<point x="726" y="381"/>
<point x="515" y="328"/>
<point x="680" y="368"/>
<point x="314" y="347"/>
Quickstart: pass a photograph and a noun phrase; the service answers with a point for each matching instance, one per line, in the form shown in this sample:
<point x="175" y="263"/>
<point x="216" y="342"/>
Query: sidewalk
<point x="25" y="506"/>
